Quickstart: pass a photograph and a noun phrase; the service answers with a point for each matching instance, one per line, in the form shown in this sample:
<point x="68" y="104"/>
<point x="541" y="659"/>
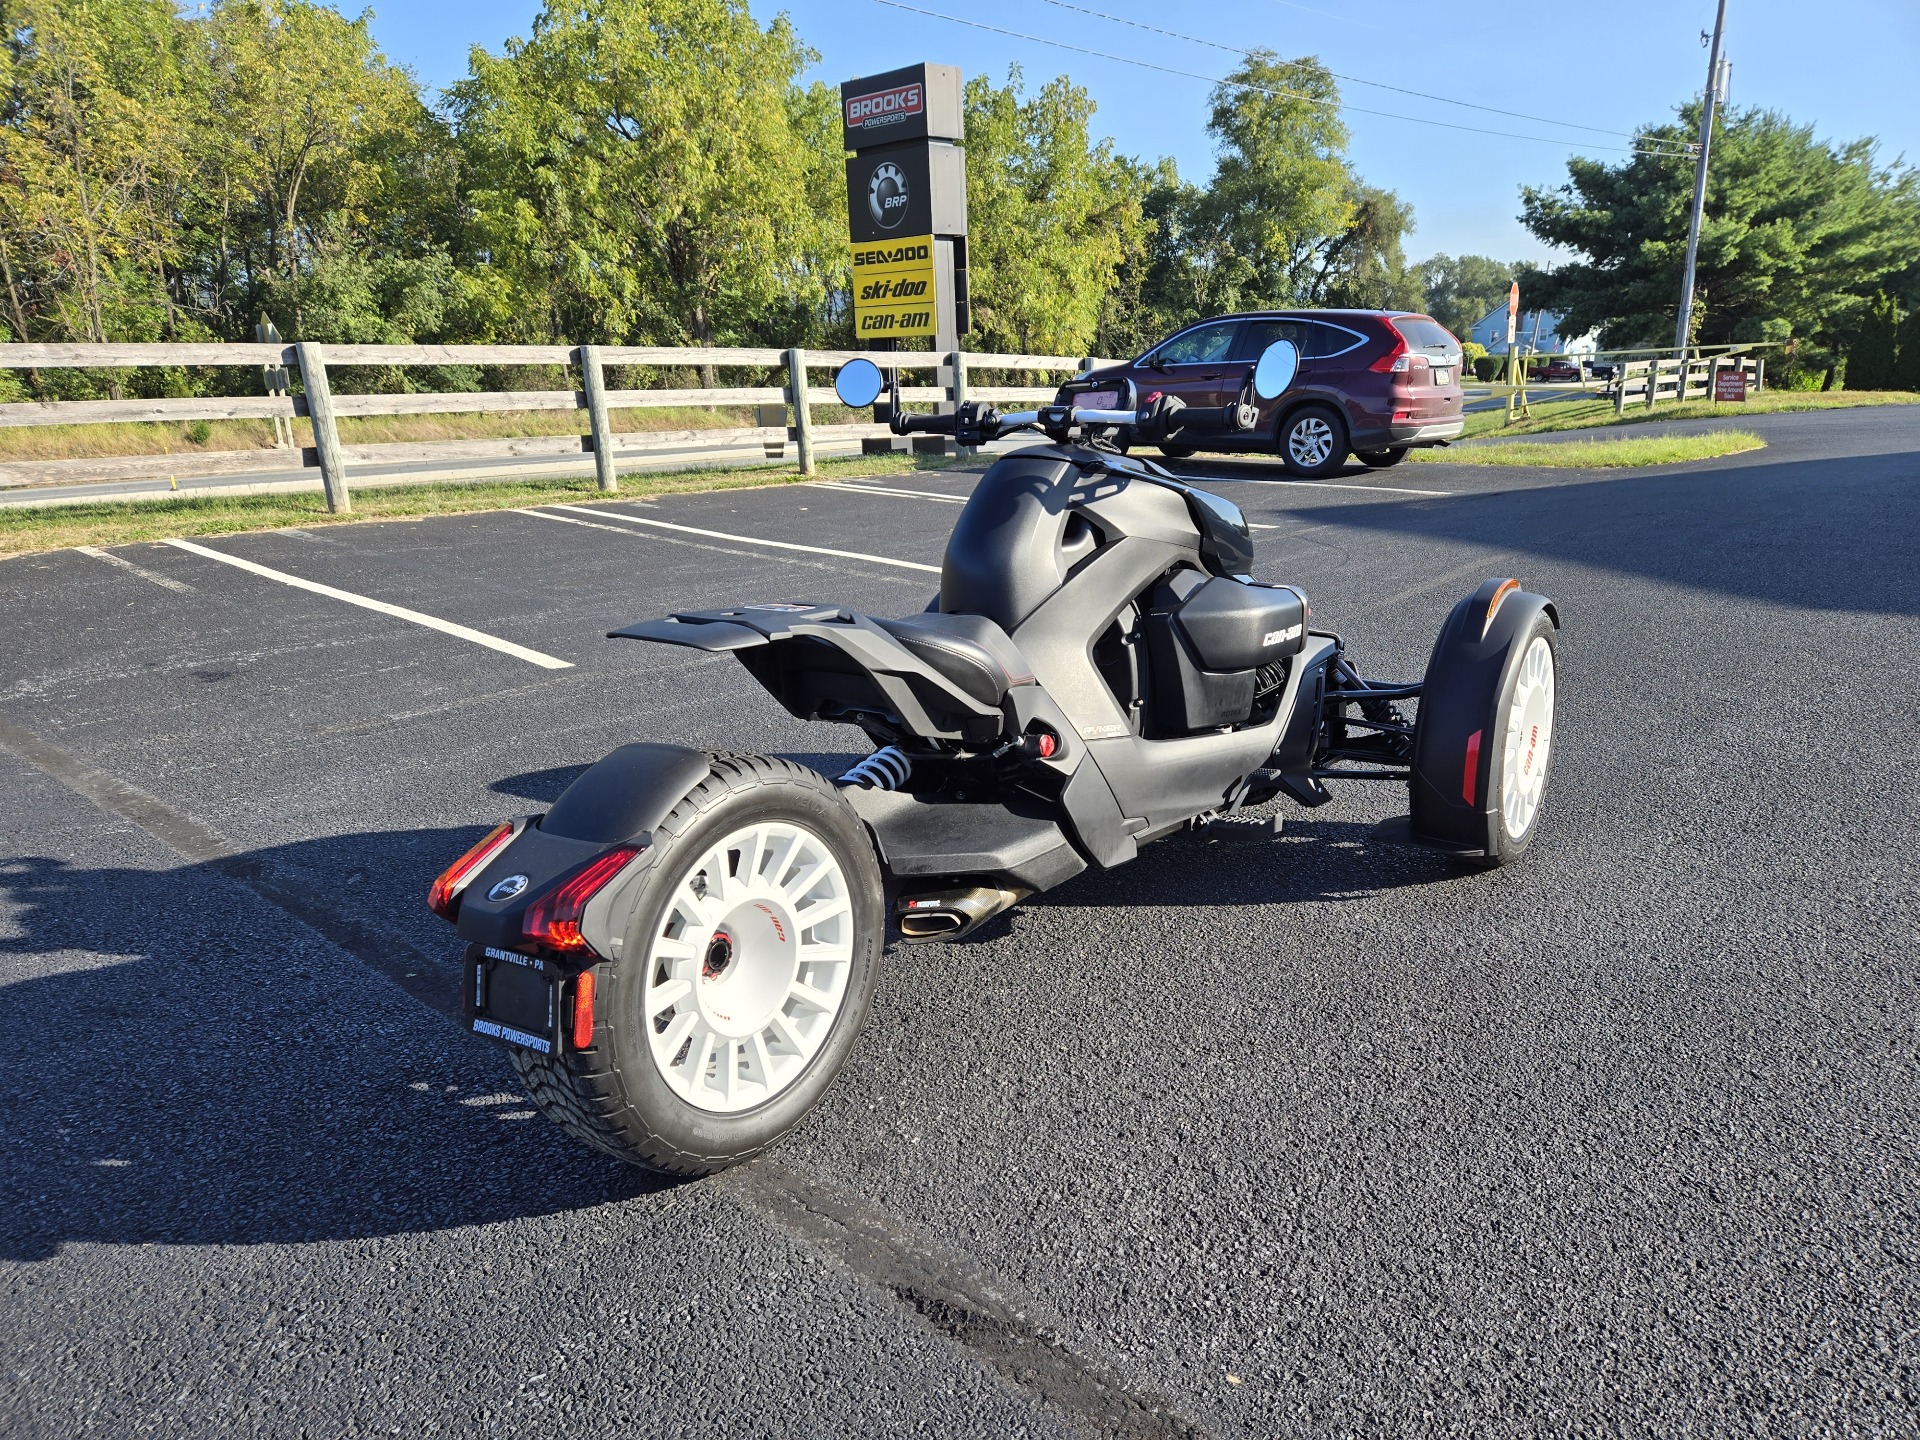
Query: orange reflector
<point x="583" y="1011"/>
<point x="1507" y="587"/>
<point x="1470" y="775"/>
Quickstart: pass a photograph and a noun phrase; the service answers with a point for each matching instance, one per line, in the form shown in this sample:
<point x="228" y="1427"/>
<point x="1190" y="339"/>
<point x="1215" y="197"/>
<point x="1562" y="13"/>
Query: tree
<point x="1798" y="234"/>
<point x="1364" y="266"/>
<point x="1871" y="359"/>
<point x="1281" y="195"/>
<point x="1906" y="368"/>
<point x="635" y="174"/>
<point x="1051" y="217"/>
<point x="1461" y="290"/>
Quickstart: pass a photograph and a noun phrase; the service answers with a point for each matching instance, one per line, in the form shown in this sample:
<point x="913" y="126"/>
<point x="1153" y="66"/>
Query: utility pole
<point x="1709" y="103"/>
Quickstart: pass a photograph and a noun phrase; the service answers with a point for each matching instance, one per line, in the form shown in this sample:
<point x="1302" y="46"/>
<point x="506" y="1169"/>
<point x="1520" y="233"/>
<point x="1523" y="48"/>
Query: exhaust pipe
<point x="950" y="914"/>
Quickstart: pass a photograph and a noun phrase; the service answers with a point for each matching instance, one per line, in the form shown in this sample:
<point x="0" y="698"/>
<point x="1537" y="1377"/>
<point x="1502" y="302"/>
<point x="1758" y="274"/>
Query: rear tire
<point x="1381" y="459"/>
<point x="755" y="940"/>
<point x="1313" y="441"/>
<point x="1523" y="740"/>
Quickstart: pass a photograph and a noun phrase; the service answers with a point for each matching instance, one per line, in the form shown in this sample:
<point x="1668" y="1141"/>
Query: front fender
<point x="1458" y="700"/>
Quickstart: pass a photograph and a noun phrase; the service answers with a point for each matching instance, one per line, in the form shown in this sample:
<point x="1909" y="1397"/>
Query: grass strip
<point x="25" y="529"/>
<point x="1551" y="414"/>
<point x="1600" y="454"/>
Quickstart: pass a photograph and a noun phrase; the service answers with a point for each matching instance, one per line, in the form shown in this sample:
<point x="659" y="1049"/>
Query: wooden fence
<point x="785" y="411"/>
<point x="1647" y="382"/>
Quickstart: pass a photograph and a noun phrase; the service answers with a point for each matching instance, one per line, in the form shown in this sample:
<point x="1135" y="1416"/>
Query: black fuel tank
<point x="1004" y="556"/>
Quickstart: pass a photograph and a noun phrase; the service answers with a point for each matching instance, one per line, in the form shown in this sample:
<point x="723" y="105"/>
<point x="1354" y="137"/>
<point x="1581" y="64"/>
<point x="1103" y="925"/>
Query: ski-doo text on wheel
<point x="681" y="951"/>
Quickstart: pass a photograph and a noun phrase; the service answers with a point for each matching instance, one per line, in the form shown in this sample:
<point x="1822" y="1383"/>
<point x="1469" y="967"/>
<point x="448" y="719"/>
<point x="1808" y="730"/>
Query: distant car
<point x="1603" y="369"/>
<point x="1372" y="383"/>
<point x="1559" y="368"/>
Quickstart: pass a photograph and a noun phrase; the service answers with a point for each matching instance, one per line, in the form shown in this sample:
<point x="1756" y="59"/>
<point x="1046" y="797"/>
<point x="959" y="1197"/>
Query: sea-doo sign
<point x="917" y="102"/>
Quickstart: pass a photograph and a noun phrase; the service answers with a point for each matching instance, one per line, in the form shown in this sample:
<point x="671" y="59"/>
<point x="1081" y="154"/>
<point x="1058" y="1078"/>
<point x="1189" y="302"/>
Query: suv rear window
<point x="1427" y="335"/>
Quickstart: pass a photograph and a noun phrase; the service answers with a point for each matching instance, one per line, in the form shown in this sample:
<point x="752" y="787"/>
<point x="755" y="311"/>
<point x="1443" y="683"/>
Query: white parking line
<point x="165" y="582"/>
<point x="1321" y="485"/>
<point x="399" y="612"/>
<point x="848" y="489"/>
<point x="748" y="539"/>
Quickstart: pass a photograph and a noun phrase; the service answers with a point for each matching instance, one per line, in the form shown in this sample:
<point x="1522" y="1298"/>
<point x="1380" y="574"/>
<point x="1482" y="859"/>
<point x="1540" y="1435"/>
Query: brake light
<point x="1396" y="360"/>
<point x="583" y="1011"/>
<point x="443" y="897"/>
<point x="553" y="921"/>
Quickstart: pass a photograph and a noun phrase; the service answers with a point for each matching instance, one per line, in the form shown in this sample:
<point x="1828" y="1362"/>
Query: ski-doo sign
<point x="918" y="102"/>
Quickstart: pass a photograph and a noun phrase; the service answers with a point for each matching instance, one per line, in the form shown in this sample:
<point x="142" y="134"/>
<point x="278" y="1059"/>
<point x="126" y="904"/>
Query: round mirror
<point x="858" y="384"/>
<point x="1275" y="371"/>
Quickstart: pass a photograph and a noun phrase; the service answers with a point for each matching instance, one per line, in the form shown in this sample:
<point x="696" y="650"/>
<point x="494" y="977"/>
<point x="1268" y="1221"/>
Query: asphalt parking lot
<point x="1316" y="1137"/>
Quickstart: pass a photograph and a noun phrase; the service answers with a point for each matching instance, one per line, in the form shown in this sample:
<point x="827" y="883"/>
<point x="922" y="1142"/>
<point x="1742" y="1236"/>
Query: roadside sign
<point x="1513" y="311"/>
<point x="894" y="289"/>
<point x="1730" y="385"/>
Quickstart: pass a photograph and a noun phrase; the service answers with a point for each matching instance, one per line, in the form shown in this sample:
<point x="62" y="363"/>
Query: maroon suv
<point x="1373" y="383"/>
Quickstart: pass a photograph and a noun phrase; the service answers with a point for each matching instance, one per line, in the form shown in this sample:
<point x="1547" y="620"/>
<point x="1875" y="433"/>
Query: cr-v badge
<point x="887" y="195"/>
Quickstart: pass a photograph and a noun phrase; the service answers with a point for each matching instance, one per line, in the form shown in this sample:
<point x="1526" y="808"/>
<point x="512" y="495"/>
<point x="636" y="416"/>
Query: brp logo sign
<point x="508" y="888"/>
<point x="887" y="195"/>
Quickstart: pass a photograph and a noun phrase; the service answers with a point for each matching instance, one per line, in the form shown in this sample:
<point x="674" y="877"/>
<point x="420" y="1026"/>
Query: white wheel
<point x="749" y="969"/>
<point x="1529" y="742"/>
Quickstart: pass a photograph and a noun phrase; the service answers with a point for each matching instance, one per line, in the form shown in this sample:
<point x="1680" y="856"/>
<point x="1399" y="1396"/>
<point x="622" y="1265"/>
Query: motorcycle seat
<point x="969" y="650"/>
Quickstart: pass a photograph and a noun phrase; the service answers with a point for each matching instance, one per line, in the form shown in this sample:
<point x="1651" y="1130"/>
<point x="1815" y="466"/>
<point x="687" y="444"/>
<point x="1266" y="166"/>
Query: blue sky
<point x="1847" y="66"/>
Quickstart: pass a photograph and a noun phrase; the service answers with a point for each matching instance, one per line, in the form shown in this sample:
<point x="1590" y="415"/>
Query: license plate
<point x="515" y="998"/>
<point x="1443" y="377"/>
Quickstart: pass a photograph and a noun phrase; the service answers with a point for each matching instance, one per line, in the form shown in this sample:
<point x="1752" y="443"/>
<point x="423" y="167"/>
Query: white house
<point x="1536" y="333"/>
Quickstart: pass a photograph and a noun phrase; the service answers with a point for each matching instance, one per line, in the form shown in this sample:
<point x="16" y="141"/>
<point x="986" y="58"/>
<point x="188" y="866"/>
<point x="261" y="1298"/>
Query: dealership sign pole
<point x="907" y="208"/>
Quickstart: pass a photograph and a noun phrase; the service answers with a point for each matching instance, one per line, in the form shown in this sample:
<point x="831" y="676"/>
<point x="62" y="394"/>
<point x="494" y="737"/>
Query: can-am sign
<point x="881" y="108"/>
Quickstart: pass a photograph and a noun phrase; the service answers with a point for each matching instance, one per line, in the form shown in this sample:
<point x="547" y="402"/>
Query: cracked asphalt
<point x="1314" y="1137"/>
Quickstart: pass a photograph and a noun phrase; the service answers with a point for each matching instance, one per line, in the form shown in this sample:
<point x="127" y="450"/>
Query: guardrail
<point x="318" y="404"/>
<point x="1661" y="376"/>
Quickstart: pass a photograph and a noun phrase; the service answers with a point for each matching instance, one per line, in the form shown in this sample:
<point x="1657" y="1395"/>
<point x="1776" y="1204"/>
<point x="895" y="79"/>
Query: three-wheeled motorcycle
<point x="680" y="953"/>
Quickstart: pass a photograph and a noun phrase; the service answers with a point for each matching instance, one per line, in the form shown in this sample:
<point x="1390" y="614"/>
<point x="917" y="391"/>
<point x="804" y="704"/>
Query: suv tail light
<point x="553" y="921"/>
<point x="443" y="898"/>
<point x="1396" y="360"/>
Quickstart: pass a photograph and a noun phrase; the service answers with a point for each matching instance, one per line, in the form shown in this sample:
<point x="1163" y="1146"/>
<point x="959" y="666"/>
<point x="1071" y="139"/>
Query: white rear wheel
<point x="749" y="969"/>
<point x="1529" y="744"/>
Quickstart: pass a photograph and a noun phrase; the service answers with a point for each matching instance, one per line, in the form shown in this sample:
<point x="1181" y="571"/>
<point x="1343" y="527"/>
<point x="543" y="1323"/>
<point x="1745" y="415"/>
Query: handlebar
<point x="975" y="424"/>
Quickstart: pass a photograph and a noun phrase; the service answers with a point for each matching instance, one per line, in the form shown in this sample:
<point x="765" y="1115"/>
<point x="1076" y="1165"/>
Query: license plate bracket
<point x="515" y="998"/>
<point x="1443" y="377"/>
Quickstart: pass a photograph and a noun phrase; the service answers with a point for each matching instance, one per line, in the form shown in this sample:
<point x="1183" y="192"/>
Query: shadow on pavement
<point x="198" y="1069"/>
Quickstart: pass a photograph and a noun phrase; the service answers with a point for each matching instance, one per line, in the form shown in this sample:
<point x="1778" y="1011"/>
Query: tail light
<point x="443" y="898"/>
<point x="1396" y="360"/>
<point x="553" y="921"/>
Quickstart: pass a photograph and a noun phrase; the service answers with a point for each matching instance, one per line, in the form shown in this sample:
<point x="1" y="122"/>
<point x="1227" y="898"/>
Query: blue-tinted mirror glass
<point x="1278" y="364"/>
<point x="858" y="384"/>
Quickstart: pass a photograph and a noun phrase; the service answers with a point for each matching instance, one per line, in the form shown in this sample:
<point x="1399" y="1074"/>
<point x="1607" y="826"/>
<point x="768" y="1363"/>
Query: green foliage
<point x="1871" y="359"/>
<point x="635" y="173"/>
<point x="1051" y="217"/>
<point x="1487" y="367"/>
<point x="1461" y="290"/>
<point x="1798" y="234"/>
<point x="1906" y="368"/>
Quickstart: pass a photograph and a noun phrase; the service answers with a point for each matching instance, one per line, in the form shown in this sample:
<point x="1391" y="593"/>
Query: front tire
<point x="1382" y="459"/>
<point x="1177" y="452"/>
<point x="1313" y="442"/>
<point x="744" y="977"/>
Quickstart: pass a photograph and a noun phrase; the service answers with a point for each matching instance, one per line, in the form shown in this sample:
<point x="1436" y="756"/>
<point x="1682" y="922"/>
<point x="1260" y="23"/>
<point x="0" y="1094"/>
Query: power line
<point x="1258" y="89"/>
<point x="1351" y="79"/>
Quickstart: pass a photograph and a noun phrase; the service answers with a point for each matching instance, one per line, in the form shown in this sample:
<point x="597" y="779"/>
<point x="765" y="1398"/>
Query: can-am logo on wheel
<point x="884" y="107"/>
<point x="887" y="195"/>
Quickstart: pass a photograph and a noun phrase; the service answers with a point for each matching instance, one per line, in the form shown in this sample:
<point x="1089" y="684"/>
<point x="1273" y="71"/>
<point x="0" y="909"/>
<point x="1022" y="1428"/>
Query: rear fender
<point x="1451" y="758"/>
<point x="617" y="801"/>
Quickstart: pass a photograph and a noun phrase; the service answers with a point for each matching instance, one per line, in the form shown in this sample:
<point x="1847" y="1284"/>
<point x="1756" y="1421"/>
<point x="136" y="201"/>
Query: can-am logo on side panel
<point x="884" y="107"/>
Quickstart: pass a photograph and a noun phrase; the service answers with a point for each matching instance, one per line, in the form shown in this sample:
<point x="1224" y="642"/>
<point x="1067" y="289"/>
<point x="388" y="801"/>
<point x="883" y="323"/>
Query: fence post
<point x="802" y="418"/>
<point x="1759" y="374"/>
<point x="957" y="390"/>
<point x="326" y="436"/>
<point x="598" y="422"/>
<point x="1620" y="389"/>
<point x="1653" y="381"/>
<point x="274" y="378"/>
